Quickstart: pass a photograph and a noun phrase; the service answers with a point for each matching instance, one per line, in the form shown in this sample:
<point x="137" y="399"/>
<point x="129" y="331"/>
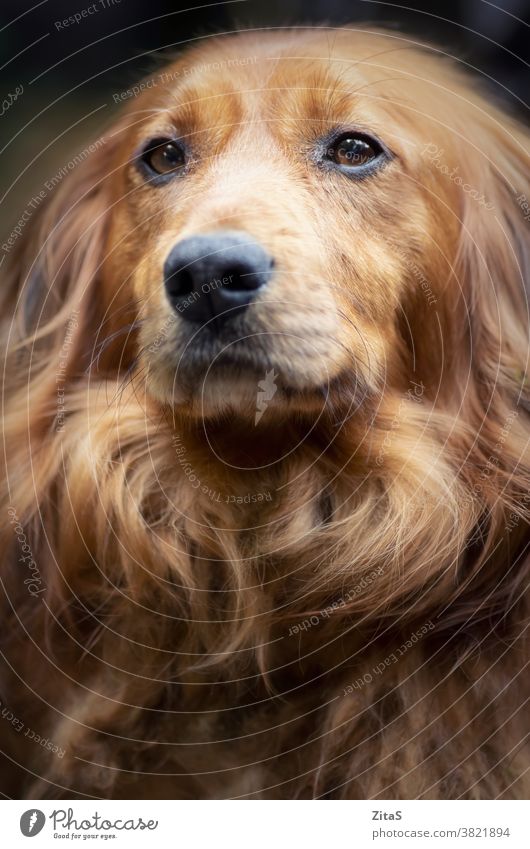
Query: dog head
<point x="319" y="219"/>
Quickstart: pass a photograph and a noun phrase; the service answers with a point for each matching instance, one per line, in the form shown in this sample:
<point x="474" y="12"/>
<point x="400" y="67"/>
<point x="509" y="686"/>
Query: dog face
<point x="272" y="216"/>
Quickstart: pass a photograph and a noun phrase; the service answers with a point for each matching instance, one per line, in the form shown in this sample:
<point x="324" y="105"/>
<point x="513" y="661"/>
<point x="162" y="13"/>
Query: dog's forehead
<point x="310" y="75"/>
<point x="297" y="87"/>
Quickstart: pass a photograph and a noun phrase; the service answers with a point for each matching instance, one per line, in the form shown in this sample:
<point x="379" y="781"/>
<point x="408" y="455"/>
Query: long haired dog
<point x="266" y="467"/>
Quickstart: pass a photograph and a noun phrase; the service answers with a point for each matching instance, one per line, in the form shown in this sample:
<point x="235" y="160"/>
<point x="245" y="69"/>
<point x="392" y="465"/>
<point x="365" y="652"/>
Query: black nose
<point x="215" y="276"/>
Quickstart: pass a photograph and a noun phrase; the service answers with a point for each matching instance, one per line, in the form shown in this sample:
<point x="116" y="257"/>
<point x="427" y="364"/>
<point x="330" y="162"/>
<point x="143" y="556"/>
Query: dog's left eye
<point x="354" y="151"/>
<point x="164" y="156"/>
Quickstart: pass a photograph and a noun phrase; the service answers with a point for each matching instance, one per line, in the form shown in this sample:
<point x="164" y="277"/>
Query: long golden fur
<point x="329" y="603"/>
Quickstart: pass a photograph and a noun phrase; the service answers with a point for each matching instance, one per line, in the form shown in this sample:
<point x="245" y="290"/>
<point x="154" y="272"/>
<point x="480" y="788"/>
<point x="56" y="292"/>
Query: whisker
<point x="132" y="304"/>
<point x="105" y="343"/>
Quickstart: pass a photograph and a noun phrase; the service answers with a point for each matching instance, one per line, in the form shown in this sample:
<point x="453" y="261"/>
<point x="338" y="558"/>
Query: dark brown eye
<point x="164" y="156"/>
<point x="353" y="151"/>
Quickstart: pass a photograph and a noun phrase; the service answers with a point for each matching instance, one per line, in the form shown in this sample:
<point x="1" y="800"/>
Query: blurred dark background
<point x="69" y="73"/>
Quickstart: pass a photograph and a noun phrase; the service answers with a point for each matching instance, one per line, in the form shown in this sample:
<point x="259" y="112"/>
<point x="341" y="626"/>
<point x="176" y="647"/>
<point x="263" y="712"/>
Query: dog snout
<point x="215" y="276"/>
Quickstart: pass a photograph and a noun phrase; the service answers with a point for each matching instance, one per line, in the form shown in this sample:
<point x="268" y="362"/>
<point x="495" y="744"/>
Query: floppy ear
<point x="492" y="268"/>
<point x="49" y="295"/>
<point x="55" y="308"/>
<point x="493" y="261"/>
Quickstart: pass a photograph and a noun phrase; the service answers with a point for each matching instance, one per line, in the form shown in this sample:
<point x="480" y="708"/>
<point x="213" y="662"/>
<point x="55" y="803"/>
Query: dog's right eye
<point x="164" y="157"/>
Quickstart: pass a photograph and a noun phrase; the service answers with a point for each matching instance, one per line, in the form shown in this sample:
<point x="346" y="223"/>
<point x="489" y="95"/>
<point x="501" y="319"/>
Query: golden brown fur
<point x="160" y="647"/>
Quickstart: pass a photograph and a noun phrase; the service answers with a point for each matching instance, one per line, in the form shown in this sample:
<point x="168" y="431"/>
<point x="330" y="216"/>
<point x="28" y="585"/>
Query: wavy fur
<point x="162" y="648"/>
